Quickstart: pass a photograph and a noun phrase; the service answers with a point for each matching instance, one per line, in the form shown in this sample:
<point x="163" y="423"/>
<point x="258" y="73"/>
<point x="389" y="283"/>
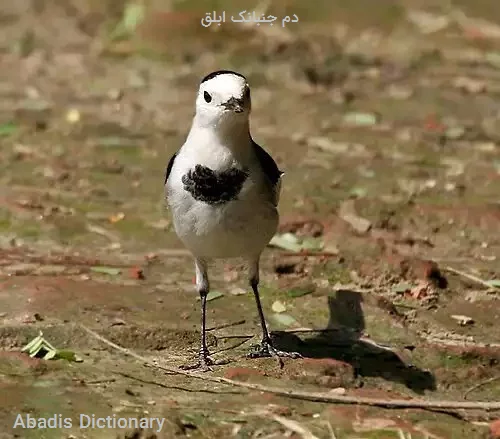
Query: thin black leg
<point x="205" y="360"/>
<point x="202" y="285"/>
<point x="266" y="348"/>
<point x="255" y="289"/>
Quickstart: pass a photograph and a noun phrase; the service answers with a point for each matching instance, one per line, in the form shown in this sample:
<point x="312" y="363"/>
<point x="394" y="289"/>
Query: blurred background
<point x="384" y="116"/>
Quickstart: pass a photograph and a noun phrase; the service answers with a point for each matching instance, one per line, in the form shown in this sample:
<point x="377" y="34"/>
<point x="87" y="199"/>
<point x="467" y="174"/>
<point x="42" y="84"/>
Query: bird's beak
<point x="234" y="104"/>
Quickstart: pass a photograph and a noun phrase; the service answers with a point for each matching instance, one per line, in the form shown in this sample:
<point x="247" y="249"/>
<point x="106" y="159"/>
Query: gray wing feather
<point x="169" y="167"/>
<point x="270" y="169"/>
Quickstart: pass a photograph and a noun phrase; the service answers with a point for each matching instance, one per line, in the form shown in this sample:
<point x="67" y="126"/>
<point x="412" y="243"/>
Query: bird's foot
<point x="204" y="363"/>
<point x="266" y="349"/>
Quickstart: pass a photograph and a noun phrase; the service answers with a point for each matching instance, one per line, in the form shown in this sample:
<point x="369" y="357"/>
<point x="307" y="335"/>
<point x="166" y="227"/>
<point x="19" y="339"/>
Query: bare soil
<point x="386" y="122"/>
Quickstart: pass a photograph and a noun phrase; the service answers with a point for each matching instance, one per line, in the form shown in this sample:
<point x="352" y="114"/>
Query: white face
<point x="224" y="98"/>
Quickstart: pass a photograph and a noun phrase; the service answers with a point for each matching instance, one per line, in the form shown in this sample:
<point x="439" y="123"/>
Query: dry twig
<point x="471" y="277"/>
<point x="311" y="396"/>
<point x="226" y="325"/>
<point x="481" y="384"/>
<point x="294" y="426"/>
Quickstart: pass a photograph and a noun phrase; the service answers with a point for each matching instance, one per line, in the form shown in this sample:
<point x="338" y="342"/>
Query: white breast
<point x="239" y="227"/>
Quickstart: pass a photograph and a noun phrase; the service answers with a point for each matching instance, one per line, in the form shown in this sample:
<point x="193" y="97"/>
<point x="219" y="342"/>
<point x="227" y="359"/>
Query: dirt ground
<point x="384" y="117"/>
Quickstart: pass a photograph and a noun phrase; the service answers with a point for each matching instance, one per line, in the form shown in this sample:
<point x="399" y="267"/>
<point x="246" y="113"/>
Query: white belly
<point x="237" y="228"/>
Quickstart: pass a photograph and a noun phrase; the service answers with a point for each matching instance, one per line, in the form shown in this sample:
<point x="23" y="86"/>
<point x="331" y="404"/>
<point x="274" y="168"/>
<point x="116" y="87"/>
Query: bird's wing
<point x="169" y="167"/>
<point x="270" y="169"/>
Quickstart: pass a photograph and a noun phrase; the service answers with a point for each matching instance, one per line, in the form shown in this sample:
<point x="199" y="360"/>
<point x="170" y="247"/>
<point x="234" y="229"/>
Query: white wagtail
<point x="223" y="191"/>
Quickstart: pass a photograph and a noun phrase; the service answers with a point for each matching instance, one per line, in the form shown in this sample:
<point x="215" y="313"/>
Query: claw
<point x="204" y="363"/>
<point x="266" y="349"/>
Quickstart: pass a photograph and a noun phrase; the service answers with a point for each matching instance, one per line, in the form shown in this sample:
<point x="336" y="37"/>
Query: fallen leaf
<point x="477" y="26"/>
<point x="295" y="427"/>
<point x="162" y="224"/>
<point x="369" y="424"/>
<point x="137" y="273"/>
<point x="325" y="144"/>
<point x="420" y="291"/>
<point x="433" y="124"/>
<point x="278" y="307"/>
<point x="238" y="291"/>
<point x="455" y="167"/>
<point x="427" y="22"/>
<point x="454" y="133"/>
<point x="462" y="320"/>
<point x="8" y="129"/>
<point x="291" y="242"/>
<point x="115" y="141"/>
<point x="39" y="347"/>
<point x="335" y="147"/>
<point x="493" y="58"/>
<point x="68" y="355"/>
<point x="213" y="295"/>
<point x="311" y="244"/>
<point x="73" y="116"/>
<point x="116" y="218"/>
<point x="338" y="391"/>
<point x="399" y="92"/>
<point x="284" y="319"/>
<point x="106" y="270"/>
<point x="348" y="213"/>
<point x="360" y="119"/>
<point x="358" y="192"/>
<point x="230" y="276"/>
<point x="133" y="15"/>
<point x="401" y="288"/>
<point x="485" y="146"/>
<point x="286" y="241"/>
<point x="301" y="291"/>
<point x="469" y="85"/>
<point x="494" y="283"/>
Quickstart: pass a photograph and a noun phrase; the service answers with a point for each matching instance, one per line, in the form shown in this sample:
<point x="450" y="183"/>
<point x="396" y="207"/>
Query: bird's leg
<point x="202" y="285"/>
<point x="266" y="348"/>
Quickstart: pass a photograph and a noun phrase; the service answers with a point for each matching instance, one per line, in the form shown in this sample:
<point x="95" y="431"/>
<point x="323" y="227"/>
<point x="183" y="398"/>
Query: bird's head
<point x="223" y="100"/>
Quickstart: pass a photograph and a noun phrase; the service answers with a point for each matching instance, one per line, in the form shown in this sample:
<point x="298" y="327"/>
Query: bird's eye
<point x="207" y="97"/>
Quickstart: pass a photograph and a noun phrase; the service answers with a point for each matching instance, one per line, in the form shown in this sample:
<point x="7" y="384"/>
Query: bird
<point x="223" y="190"/>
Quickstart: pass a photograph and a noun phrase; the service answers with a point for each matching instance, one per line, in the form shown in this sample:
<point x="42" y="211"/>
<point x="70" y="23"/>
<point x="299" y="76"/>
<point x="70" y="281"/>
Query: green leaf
<point x="455" y="132"/>
<point x="312" y="244"/>
<point x="68" y="355"/>
<point x="494" y="283"/>
<point x="493" y="58"/>
<point x="106" y="270"/>
<point x="8" y="129"/>
<point x="32" y="343"/>
<point x="115" y="141"/>
<point x="39" y="347"/>
<point x="36" y="348"/>
<point x="292" y="243"/>
<point x="299" y="292"/>
<point x="360" y="119"/>
<point x="213" y="295"/>
<point x="133" y="15"/>
<point x="278" y="307"/>
<point x="284" y="319"/>
<point x="358" y="192"/>
<point x="286" y="241"/>
<point x="50" y="355"/>
<point x="402" y="287"/>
